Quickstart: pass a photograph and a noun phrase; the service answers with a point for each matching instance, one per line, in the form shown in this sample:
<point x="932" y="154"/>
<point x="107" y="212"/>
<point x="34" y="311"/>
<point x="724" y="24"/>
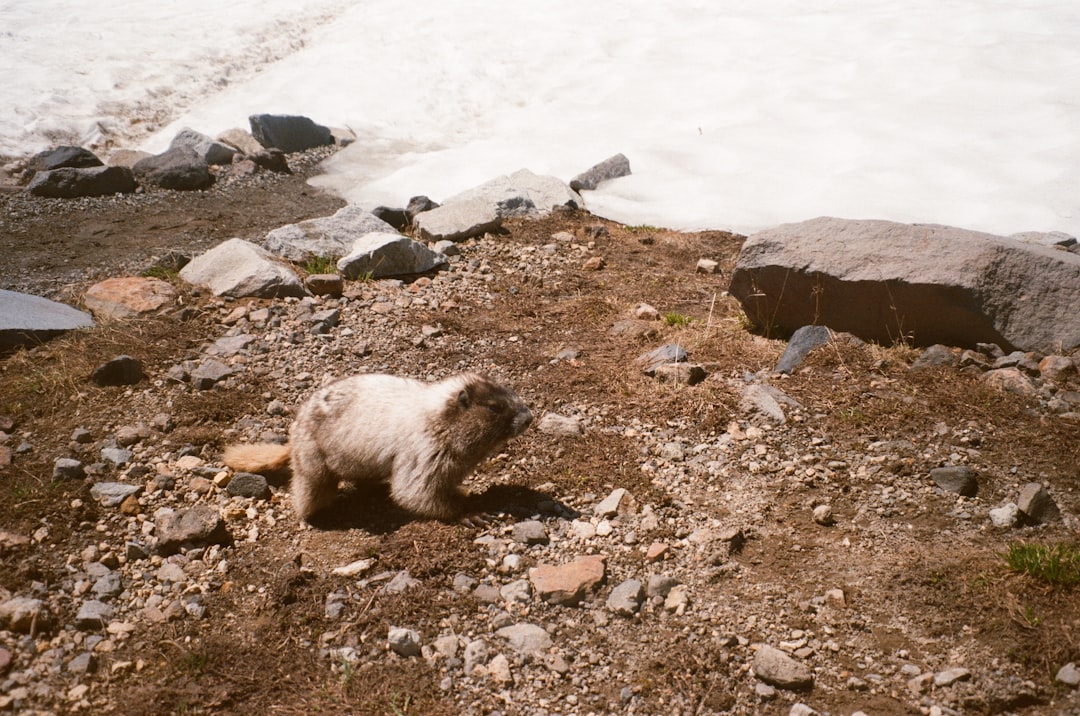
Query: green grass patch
<point x="320" y="264"/>
<point x="677" y="320"/>
<point x="1053" y="563"/>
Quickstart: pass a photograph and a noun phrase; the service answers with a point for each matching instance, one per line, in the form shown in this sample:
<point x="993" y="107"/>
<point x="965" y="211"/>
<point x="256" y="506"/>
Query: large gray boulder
<point x="27" y="319"/>
<point x="209" y="149"/>
<point x="379" y="255"/>
<point x="178" y="168"/>
<point x="60" y="157"/>
<point x="921" y="283"/>
<point x="289" y="133"/>
<point x="71" y="182"/>
<point x="326" y="236"/>
<point x="522" y="194"/>
<point x="239" y="268"/>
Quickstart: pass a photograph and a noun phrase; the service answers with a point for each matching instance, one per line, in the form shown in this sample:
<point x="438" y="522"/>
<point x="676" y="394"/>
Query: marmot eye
<point x="494" y="407"/>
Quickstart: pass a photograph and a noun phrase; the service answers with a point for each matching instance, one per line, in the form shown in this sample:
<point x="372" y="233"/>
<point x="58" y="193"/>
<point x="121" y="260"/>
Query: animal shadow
<point x="369" y="507"/>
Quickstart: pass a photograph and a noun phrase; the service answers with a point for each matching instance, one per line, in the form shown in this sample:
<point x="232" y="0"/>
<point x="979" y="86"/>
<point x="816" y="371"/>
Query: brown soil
<point x="253" y="653"/>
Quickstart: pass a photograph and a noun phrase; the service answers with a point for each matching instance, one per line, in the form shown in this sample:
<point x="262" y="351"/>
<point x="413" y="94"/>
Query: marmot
<point x="422" y="438"/>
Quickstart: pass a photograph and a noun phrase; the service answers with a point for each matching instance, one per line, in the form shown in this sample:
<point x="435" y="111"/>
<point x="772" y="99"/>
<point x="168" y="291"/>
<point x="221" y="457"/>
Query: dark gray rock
<point x="398" y="218"/>
<point x="381" y="255"/>
<point x="418" y="205"/>
<point x="678" y="373"/>
<point x="960" y="479"/>
<point x="121" y="370"/>
<point x="108" y="585"/>
<point x="84" y="663"/>
<point x="207" y="148"/>
<point x="272" y="160"/>
<point x="1037" y="505"/>
<point x="526" y="639"/>
<point x="611" y="168"/>
<point x="289" y="133"/>
<point x="27" y="320"/>
<point x="193" y="527"/>
<point x="247" y="484"/>
<point x="117" y="456"/>
<point x="404" y="642"/>
<point x="799" y="346"/>
<point x="180" y="168"/>
<point x="66" y="468"/>
<point x="922" y="284"/>
<point x="529" y="532"/>
<point x="63" y="157"/>
<point x="208" y="374"/>
<point x="70" y="183"/>
<point x="93" y="615"/>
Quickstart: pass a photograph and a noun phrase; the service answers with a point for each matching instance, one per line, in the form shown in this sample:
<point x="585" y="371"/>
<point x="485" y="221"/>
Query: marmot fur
<point x="422" y="438"/>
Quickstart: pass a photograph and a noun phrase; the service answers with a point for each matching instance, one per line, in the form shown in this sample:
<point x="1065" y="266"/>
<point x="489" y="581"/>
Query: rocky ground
<point x="652" y="548"/>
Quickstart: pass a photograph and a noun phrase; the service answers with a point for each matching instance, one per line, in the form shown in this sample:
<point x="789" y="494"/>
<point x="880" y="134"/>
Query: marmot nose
<point x="522" y="420"/>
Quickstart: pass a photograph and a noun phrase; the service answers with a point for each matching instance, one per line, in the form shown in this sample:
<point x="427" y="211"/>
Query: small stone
<point x="1068" y="675"/>
<point x="619" y="502"/>
<point x="199" y="525"/>
<point x="326" y="284"/>
<point x="529" y="532"/>
<point x="108" y="586"/>
<point x="122" y="370"/>
<point x="659" y="585"/>
<point x="594" y="264"/>
<point x="707" y="266"/>
<point x="567" y="584"/>
<point x="517" y="591"/>
<point x="499" y="670"/>
<point x="935" y="356"/>
<point x="677" y="599"/>
<point x="559" y="425"/>
<point x="404" y="642"/>
<point x="801" y="710"/>
<point x="835" y="598"/>
<point x="24" y="615"/>
<point x="1005" y="516"/>
<point x="777" y="668"/>
<point x="960" y="479"/>
<point x="951" y="676"/>
<point x="626" y="598"/>
<point x="401" y="582"/>
<point x="66" y="468"/>
<point x="354" y="568"/>
<point x="678" y="373"/>
<point x="476" y="655"/>
<point x="645" y="312"/>
<point x="111" y="494"/>
<point x="582" y="530"/>
<point x="656" y="552"/>
<point x="117" y="456"/>
<point x="526" y="638"/>
<point x="1035" y="502"/>
<point x="93" y="615"/>
<point x="247" y="484"/>
<point x="823" y="515"/>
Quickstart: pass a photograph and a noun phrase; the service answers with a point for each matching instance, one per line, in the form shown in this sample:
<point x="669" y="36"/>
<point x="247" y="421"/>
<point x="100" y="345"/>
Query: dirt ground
<point x="926" y="584"/>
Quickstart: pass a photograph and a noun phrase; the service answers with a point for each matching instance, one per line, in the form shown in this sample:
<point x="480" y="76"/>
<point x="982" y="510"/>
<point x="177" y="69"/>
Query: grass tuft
<point x="1053" y="563"/>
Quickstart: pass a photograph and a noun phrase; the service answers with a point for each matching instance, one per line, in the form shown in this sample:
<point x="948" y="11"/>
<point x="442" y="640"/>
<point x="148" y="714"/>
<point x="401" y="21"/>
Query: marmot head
<point x="486" y="414"/>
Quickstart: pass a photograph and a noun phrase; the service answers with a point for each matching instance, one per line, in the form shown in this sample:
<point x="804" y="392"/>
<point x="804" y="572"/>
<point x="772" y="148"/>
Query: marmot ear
<point x="463" y="400"/>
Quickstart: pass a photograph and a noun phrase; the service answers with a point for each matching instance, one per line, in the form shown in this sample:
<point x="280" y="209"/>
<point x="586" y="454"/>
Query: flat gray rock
<point x="777" y="668"/>
<point x="522" y="194"/>
<point x="241" y="269"/>
<point x="326" y="236"/>
<point x="1035" y="502"/>
<point x="111" y="494"/>
<point x="93" y="615"/>
<point x="960" y="479"/>
<point x="526" y="638"/>
<point x="380" y="255"/>
<point x="625" y="599"/>
<point x="922" y="283"/>
<point x="27" y="320"/>
<point x="458" y="221"/>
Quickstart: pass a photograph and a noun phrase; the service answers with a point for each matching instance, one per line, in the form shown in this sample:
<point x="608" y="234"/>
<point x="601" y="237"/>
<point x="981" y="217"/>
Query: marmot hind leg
<point x="314" y="486"/>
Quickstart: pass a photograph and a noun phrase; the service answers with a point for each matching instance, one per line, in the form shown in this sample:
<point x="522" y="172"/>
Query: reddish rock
<point x="128" y="296"/>
<point x="568" y="583"/>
